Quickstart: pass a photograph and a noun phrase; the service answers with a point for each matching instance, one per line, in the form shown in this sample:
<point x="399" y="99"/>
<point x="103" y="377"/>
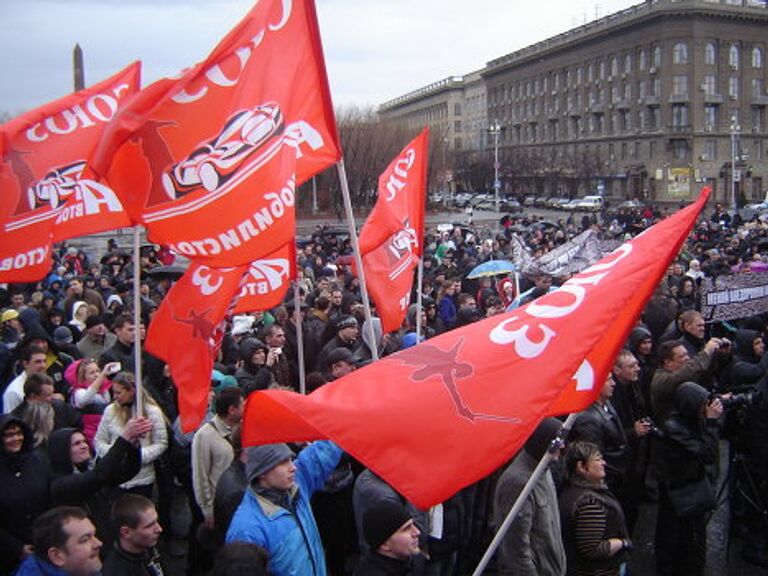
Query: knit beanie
<point x="382" y="520"/>
<point x="539" y="441"/>
<point x="261" y="459"/>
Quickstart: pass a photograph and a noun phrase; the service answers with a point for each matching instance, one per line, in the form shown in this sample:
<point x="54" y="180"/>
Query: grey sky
<point x="375" y="49"/>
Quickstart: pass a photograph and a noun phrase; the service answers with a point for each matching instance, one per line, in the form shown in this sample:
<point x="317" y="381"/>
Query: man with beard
<point x="42" y="412"/>
<point x="96" y="338"/>
<point x="135" y="520"/>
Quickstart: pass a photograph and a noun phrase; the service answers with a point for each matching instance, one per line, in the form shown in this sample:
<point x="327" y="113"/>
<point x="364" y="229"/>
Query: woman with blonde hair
<point x="115" y="417"/>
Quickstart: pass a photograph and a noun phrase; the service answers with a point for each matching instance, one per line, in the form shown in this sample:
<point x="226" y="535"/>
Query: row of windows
<point x="599" y="70"/>
<point x="648" y="119"/>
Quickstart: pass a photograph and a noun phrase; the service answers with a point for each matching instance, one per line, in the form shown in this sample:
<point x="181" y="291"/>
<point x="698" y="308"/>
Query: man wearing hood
<point x="275" y="512"/>
<point x="685" y="456"/>
<point x="253" y="372"/>
<point x="24" y="493"/>
<point x="78" y="480"/>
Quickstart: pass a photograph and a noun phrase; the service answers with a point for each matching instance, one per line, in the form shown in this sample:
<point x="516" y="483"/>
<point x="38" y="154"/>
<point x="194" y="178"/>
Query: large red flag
<point x="213" y="158"/>
<point x="48" y="191"/>
<point x="391" y="240"/>
<point x="267" y="280"/>
<point x="441" y="415"/>
<point x="186" y="333"/>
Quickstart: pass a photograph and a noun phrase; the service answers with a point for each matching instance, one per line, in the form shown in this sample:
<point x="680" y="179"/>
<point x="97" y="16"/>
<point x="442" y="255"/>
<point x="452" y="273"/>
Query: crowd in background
<point x="72" y="437"/>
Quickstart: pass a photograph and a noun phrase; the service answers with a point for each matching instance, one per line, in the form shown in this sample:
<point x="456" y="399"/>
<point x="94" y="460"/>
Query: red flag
<point x="390" y="241"/>
<point x="449" y="411"/>
<point x="213" y="158"/>
<point x="48" y="191"/>
<point x="266" y="281"/>
<point x="185" y="332"/>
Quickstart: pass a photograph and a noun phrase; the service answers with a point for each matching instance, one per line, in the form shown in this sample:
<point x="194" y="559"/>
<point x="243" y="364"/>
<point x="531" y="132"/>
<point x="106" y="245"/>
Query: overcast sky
<point x="375" y="49"/>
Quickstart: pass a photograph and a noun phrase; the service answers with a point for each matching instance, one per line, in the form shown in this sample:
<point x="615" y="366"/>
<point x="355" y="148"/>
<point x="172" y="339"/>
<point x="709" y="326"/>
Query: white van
<point x="591" y="203"/>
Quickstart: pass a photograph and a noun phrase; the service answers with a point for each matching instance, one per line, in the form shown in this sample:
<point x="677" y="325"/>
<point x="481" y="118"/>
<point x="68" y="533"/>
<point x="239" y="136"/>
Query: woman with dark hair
<point x="24" y="492"/>
<point x="594" y="532"/>
<point x="687" y="294"/>
<point x="112" y="426"/>
<point x="79" y="480"/>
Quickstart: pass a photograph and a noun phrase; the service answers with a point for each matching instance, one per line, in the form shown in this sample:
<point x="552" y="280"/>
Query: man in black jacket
<point x="135" y="520"/>
<point x="392" y="537"/>
<point x="122" y="350"/>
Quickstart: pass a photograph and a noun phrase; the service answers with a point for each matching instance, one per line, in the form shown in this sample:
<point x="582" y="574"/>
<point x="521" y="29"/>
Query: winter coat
<point x="153" y="445"/>
<point x="24" y="482"/>
<point x="533" y="546"/>
<point x="33" y="565"/>
<point x="375" y="564"/>
<point x="290" y="537"/>
<point x="590" y="515"/>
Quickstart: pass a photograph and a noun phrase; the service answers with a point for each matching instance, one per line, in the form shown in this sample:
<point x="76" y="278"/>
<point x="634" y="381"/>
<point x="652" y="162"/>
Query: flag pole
<point x="527" y="489"/>
<point x="358" y="259"/>
<point x="419" y="281"/>
<point x="137" y="319"/>
<point x="299" y="337"/>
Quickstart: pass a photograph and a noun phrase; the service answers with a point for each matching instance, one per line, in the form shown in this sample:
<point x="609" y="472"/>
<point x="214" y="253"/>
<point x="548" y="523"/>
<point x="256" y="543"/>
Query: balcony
<point x="713" y="98"/>
<point x="760" y="100"/>
<point x="680" y="130"/>
<point x="679" y="98"/>
<point x="651" y="100"/>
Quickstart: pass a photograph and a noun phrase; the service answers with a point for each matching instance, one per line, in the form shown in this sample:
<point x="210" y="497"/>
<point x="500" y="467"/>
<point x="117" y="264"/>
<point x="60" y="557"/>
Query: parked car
<point x="591" y="203"/>
<point x="540" y="201"/>
<point x="529" y="201"/>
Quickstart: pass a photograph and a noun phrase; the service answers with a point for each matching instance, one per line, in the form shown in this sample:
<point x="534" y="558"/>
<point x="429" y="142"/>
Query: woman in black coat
<point x="24" y="482"/>
<point x="79" y="481"/>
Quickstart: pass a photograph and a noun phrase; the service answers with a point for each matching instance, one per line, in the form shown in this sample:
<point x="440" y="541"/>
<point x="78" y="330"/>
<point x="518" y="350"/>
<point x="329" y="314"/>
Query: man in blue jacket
<point x="275" y="512"/>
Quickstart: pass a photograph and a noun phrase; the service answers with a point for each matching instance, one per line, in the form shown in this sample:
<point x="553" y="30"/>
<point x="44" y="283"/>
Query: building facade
<point x="651" y="102"/>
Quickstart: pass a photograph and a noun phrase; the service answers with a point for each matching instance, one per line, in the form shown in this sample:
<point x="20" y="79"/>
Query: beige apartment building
<point x="652" y="102"/>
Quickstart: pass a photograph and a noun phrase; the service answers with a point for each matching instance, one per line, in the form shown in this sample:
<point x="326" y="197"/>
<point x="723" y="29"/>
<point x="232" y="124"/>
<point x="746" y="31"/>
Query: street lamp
<point x="735" y="130"/>
<point x="495" y="130"/>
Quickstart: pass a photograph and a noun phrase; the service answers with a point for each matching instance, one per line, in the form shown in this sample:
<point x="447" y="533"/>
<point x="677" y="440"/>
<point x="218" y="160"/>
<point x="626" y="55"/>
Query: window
<point x="602" y="69"/>
<point x="627" y="63"/>
<point x="733" y="87"/>
<point x="579" y="75"/>
<point x="680" y="149"/>
<point x="457" y="109"/>
<point x="679" y="115"/>
<point x="652" y="149"/>
<point x="758" y="118"/>
<point x="641" y="89"/>
<point x="627" y="92"/>
<point x="641" y="59"/>
<point x="656" y="87"/>
<point x="757" y="57"/>
<point x="614" y="94"/>
<point x="614" y="66"/>
<point x="757" y="87"/>
<point x="710" y="53"/>
<point x="626" y="121"/>
<point x="590" y="72"/>
<point x="623" y="150"/>
<point x="680" y="53"/>
<point x="757" y="150"/>
<point x="733" y="57"/>
<point x="710" y="150"/>
<point x="710" y="116"/>
<point x="657" y="56"/>
<point x="708" y="85"/>
<point x="680" y="85"/>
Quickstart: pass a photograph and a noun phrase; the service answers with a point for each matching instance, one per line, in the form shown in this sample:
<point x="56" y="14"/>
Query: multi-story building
<point x="653" y="101"/>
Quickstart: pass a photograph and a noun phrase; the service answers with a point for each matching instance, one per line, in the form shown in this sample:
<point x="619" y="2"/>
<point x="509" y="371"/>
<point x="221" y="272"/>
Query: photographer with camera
<point x="685" y="457"/>
<point x="747" y="429"/>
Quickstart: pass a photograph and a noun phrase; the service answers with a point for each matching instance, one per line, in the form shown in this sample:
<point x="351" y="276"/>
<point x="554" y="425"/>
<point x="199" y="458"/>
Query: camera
<point x="749" y="398"/>
<point x="115" y="367"/>
<point x="655" y="431"/>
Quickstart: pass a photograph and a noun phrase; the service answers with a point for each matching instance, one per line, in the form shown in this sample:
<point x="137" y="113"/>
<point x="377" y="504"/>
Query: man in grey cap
<point x="275" y="512"/>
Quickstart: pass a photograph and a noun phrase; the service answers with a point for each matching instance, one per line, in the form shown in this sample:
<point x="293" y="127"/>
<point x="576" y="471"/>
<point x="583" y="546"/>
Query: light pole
<point x="495" y="130"/>
<point x="735" y="129"/>
<point x="314" y="196"/>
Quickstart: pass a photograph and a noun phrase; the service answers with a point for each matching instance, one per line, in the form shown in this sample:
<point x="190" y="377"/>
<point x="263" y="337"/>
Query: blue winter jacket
<point x="291" y="538"/>
<point x="34" y="566"/>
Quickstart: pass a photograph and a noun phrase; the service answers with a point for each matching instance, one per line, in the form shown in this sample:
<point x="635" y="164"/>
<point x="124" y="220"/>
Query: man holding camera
<point x="678" y="367"/>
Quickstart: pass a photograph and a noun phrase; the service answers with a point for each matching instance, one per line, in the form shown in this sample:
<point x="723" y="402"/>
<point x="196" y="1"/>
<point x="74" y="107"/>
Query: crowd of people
<point x="89" y="484"/>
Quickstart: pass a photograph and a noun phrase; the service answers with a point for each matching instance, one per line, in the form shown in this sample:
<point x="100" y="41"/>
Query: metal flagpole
<point x="299" y="338"/>
<point x="527" y="489"/>
<point x="137" y="319"/>
<point x="358" y="259"/>
<point x="419" y="281"/>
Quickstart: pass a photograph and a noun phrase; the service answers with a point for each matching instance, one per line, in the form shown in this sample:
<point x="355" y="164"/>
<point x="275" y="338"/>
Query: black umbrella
<point x="173" y="272"/>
